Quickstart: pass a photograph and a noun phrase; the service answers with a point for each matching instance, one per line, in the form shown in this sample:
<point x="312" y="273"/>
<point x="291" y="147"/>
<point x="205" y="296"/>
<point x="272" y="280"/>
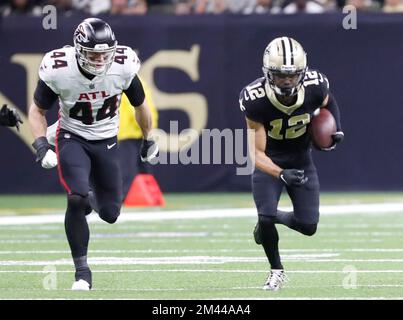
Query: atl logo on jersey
<point x="92" y="95"/>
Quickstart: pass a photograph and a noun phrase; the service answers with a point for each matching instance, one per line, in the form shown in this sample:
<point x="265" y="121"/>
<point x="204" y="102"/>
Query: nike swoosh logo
<point x="110" y="146"/>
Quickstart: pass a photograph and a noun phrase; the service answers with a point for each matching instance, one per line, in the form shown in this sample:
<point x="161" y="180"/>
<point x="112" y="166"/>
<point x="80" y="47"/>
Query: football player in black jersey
<point x="279" y="107"/>
<point x="9" y="117"/>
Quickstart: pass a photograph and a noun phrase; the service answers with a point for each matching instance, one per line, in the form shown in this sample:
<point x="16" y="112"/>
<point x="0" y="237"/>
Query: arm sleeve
<point x="135" y="92"/>
<point x="334" y="110"/>
<point x="250" y="110"/>
<point x="44" y="96"/>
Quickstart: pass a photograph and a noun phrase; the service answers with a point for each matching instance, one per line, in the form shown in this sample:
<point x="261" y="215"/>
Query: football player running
<point x="88" y="80"/>
<point x="279" y="107"/>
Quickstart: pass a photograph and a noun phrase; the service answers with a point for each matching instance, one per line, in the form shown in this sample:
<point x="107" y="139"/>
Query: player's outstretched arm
<point x="38" y="124"/>
<point x="257" y="144"/>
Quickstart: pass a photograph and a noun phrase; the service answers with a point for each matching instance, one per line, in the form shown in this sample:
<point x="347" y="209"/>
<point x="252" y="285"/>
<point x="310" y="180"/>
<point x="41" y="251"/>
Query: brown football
<point x="321" y="128"/>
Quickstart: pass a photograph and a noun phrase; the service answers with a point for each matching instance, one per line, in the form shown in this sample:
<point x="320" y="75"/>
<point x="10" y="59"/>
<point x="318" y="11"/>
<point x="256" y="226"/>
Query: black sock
<point x="83" y="272"/>
<point x="76" y="225"/>
<point x="81" y="263"/>
<point x="270" y="241"/>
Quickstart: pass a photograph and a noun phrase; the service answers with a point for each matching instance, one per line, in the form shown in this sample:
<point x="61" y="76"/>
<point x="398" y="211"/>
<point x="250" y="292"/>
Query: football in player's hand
<point x="321" y="128"/>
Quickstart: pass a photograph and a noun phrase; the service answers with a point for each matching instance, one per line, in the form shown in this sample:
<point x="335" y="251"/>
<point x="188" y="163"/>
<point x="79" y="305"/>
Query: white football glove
<point x="49" y="161"/>
<point x="44" y="154"/>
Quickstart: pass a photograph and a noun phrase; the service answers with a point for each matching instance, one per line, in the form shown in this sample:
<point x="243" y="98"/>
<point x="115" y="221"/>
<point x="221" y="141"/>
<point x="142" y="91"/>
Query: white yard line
<point x="191" y="260"/>
<point x="302" y="250"/>
<point x="203" y="271"/>
<point x="160" y="260"/>
<point x="25" y="252"/>
<point x="373" y="208"/>
<point x="223" y="288"/>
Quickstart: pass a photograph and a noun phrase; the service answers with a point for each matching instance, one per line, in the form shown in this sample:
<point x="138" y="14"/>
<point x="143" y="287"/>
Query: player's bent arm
<point x="135" y="94"/>
<point x="149" y="149"/>
<point x="44" y="98"/>
<point x="38" y="124"/>
<point x="257" y="145"/>
<point x="331" y="104"/>
<point x="143" y="118"/>
<point x="37" y="120"/>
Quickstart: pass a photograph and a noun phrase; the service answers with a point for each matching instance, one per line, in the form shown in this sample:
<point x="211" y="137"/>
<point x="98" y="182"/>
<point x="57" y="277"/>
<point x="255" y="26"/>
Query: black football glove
<point x="10" y="117"/>
<point x="44" y="154"/>
<point x="149" y="150"/>
<point x="337" y="137"/>
<point x="293" y="177"/>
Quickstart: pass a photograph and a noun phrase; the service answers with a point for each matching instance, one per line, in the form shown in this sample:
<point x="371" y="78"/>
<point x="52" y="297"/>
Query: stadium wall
<point x="196" y="66"/>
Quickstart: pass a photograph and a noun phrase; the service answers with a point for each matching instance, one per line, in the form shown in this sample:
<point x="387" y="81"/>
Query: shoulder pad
<point x="127" y="61"/>
<point x="314" y="77"/>
<point x="317" y="82"/>
<point x="53" y="65"/>
<point x="252" y="92"/>
<point x="250" y="98"/>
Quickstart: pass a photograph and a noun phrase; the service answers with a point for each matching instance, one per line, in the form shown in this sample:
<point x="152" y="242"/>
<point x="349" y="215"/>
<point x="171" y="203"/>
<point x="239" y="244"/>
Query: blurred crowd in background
<point x="183" y="7"/>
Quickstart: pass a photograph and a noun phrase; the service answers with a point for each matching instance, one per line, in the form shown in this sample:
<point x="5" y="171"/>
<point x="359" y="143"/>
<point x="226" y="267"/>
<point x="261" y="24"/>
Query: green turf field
<point x="352" y="256"/>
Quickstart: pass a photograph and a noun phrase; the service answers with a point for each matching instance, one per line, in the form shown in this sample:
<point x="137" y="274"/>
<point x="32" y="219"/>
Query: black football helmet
<point x="95" y="45"/>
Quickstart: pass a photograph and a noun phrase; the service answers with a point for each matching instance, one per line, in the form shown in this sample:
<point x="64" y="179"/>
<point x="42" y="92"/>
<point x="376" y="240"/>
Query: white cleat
<point x="275" y="280"/>
<point x="80" y="285"/>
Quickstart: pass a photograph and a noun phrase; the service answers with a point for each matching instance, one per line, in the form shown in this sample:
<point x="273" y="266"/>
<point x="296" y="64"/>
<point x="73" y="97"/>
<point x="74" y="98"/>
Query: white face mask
<point x="95" y="61"/>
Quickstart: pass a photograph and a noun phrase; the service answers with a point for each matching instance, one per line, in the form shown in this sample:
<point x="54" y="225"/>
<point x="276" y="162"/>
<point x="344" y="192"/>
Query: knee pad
<point x="307" y="229"/>
<point x="109" y="213"/>
<point x="77" y="204"/>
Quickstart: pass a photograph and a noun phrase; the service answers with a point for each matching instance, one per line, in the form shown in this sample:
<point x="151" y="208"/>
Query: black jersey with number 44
<point x="286" y="126"/>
